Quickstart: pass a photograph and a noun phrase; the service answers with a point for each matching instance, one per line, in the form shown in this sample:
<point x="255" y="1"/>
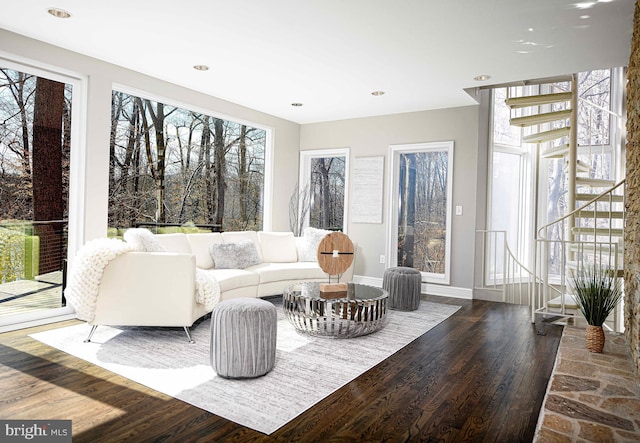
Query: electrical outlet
<point x="382" y="259"/>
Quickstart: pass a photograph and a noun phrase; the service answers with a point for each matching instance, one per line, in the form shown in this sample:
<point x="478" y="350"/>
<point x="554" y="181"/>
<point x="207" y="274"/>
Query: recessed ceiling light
<point x="377" y="93"/>
<point x="584" y="5"/>
<point x="59" y="13"/>
<point x="482" y="78"/>
<point x="296" y="105"/>
<point x="201" y="67"/>
<point x="584" y="17"/>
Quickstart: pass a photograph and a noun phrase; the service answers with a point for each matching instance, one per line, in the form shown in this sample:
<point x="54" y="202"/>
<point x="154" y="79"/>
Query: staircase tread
<point x="543" y="117"/>
<point x="537" y="100"/>
<point x="600" y="247"/>
<point x="572" y="267"/>
<point x="589" y="213"/>
<point x="581" y="166"/>
<point x="545" y="136"/>
<point x="600" y="232"/>
<point x="587" y="197"/>
<point x="555" y="151"/>
<point x="599" y="182"/>
<point x="569" y="302"/>
<point x="604" y="251"/>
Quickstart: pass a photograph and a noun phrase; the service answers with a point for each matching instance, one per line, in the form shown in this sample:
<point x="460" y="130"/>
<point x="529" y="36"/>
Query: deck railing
<point x="32" y="248"/>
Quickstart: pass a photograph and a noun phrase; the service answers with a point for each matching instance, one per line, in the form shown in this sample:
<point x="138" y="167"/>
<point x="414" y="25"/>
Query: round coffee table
<point x="361" y="312"/>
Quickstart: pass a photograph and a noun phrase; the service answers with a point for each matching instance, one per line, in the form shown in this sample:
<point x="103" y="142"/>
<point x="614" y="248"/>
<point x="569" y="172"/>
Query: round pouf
<point x="243" y="337"/>
<point x="403" y="285"/>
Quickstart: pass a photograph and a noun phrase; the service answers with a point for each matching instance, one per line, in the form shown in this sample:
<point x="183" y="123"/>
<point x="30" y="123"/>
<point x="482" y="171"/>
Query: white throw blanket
<point x="85" y="276"/>
<point x="207" y="289"/>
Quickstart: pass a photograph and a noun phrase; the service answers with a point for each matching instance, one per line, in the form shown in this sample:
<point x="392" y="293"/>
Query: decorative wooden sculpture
<point x="335" y="255"/>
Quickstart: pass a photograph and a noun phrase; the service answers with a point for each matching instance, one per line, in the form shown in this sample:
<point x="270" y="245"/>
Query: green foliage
<point x="11" y="244"/>
<point x="597" y="292"/>
<point x="18" y="255"/>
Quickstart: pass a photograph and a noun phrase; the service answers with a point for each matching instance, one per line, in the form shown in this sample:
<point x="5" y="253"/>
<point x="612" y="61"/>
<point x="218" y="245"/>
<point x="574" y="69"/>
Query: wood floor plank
<point x="479" y="376"/>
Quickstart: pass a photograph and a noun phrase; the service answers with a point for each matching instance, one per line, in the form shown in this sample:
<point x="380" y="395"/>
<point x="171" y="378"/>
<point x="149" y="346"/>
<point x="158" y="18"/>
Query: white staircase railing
<point x="588" y="237"/>
<point x="502" y="271"/>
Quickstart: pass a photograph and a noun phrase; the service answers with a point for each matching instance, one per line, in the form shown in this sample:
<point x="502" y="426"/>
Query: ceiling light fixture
<point x="585" y="5"/>
<point x="201" y="67"/>
<point x="482" y="78"/>
<point x="59" y="13"/>
<point x="296" y="105"/>
<point x="377" y="93"/>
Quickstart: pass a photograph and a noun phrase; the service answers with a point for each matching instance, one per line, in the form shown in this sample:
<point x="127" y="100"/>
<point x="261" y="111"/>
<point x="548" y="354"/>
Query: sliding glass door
<point x="36" y="138"/>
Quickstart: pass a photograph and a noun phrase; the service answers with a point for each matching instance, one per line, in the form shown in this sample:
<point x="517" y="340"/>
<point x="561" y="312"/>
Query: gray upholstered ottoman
<point x="243" y="337"/>
<point x="404" y="286"/>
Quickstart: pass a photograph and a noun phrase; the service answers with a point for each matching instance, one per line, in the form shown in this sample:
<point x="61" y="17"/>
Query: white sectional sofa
<point x="149" y="288"/>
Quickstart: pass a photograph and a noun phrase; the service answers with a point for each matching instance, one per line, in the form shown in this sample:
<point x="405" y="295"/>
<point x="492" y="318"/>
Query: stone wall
<point x="632" y="230"/>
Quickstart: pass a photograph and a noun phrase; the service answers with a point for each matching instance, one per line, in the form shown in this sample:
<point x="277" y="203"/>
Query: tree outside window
<point x="421" y="208"/>
<point x="320" y="200"/>
<point x="35" y="142"/>
<point x="326" y="188"/>
<point x="173" y="165"/>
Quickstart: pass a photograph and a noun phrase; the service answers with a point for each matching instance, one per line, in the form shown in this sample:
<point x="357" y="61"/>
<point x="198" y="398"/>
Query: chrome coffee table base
<point x="361" y="312"/>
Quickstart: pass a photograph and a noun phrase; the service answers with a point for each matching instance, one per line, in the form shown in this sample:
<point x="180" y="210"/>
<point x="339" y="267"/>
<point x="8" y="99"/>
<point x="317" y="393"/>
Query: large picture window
<point x="172" y="165"/>
<point x="510" y="191"/>
<point x="421" y="208"/>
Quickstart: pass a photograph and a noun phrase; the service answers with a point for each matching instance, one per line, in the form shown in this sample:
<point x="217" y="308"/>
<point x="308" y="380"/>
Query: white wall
<point x="101" y="77"/>
<point x="373" y="136"/>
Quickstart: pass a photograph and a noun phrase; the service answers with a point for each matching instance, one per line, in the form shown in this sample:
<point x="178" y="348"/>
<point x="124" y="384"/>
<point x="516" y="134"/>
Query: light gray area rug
<point x="307" y="369"/>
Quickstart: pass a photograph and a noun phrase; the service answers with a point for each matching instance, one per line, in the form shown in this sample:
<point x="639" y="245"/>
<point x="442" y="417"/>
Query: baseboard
<point x="427" y="288"/>
<point x="35" y="322"/>
<point x="447" y="291"/>
<point x="371" y="281"/>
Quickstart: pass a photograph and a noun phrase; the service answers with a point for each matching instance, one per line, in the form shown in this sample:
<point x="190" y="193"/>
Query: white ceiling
<point x="331" y="54"/>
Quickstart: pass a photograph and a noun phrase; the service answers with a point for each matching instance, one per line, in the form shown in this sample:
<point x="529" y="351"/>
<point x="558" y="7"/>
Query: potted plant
<point x="597" y="293"/>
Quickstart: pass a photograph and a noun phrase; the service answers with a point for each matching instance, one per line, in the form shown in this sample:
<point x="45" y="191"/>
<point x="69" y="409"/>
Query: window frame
<point x="77" y="177"/>
<point x="267" y="190"/>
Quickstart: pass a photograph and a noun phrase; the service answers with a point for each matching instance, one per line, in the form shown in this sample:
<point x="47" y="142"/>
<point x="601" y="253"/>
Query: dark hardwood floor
<point x="481" y="375"/>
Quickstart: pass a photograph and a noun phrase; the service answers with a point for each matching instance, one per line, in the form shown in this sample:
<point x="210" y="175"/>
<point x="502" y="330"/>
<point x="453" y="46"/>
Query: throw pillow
<point x="236" y="236"/>
<point x="278" y="247"/>
<point x="141" y="239"/>
<point x="176" y="242"/>
<point x="311" y="240"/>
<point x="239" y="255"/>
